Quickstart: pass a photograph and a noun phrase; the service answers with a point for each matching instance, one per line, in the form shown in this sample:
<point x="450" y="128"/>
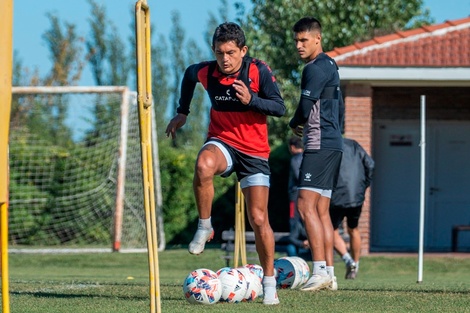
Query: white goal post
<point x="76" y="170"/>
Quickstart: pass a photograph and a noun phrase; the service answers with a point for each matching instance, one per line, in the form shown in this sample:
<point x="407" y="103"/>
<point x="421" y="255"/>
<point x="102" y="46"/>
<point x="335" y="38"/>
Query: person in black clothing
<point x="297" y="242"/>
<point x="355" y="175"/>
<point x="296" y="148"/>
<point x="317" y="119"/>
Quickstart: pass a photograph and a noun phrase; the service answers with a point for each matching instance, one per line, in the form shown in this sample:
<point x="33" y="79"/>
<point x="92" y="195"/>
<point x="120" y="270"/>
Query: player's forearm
<point x="273" y="106"/>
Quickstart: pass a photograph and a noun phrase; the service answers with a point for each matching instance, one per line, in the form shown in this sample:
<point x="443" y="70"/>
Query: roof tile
<point x="441" y="45"/>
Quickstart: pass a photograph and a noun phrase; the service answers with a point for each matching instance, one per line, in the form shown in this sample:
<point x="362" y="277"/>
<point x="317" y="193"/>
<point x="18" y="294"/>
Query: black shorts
<point x="352" y="215"/>
<point x="243" y="164"/>
<point x="320" y="169"/>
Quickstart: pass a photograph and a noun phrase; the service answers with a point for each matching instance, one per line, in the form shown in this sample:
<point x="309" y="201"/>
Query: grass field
<point x="114" y="282"/>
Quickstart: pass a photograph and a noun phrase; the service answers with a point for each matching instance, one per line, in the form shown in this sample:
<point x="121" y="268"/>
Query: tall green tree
<point x="160" y="82"/>
<point x="106" y="52"/>
<point x="96" y="44"/>
<point x="344" y="22"/>
<point x="269" y="34"/>
<point x="185" y="52"/>
<point x="118" y="58"/>
<point x="66" y="48"/>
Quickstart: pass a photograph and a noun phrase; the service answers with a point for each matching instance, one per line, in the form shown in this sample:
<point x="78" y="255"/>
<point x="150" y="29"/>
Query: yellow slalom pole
<point x="144" y="90"/>
<point x="6" y="61"/>
<point x="240" y="242"/>
<point x="242" y="229"/>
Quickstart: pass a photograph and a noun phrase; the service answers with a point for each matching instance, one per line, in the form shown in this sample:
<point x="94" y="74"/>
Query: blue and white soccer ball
<point x="202" y="286"/>
<point x="301" y="267"/>
<point x="288" y="274"/>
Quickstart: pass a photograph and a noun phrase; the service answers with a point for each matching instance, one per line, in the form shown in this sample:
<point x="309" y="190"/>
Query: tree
<point x="118" y="59"/>
<point x="188" y="135"/>
<point x="106" y="52"/>
<point x="160" y="88"/>
<point x="96" y="45"/>
<point x="66" y="51"/>
<point x="268" y="28"/>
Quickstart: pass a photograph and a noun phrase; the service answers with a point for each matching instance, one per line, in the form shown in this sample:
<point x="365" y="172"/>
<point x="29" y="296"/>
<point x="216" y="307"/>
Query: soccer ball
<point x="257" y="269"/>
<point x="254" y="287"/>
<point x="304" y="269"/>
<point x="234" y="286"/>
<point x="222" y="270"/>
<point x="202" y="286"/>
<point x="287" y="274"/>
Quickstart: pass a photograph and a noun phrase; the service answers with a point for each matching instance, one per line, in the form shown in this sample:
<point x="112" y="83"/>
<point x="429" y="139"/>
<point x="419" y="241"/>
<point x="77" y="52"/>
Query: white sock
<point x="269" y="287"/>
<point x="331" y="271"/>
<point x="347" y="258"/>
<point x="319" y="268"/>
<point x="357" y="266"/>
<point x="204" y="223"/>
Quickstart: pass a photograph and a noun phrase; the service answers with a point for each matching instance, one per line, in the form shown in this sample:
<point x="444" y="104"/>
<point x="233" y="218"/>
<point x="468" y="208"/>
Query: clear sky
<point x="30" y="21"/>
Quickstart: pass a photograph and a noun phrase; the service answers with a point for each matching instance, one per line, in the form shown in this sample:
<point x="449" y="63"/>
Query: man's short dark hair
<point x="296" y="142"/>
<point x="307" y="24"/>
<point x="229" y="31"/>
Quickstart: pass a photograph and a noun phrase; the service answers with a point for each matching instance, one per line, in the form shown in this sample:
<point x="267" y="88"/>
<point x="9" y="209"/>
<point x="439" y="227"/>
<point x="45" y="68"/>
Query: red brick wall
<point x="358" y="126"/>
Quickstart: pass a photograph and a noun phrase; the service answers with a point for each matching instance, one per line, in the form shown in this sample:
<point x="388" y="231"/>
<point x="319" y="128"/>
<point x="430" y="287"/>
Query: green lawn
<point x="118" y="282"/>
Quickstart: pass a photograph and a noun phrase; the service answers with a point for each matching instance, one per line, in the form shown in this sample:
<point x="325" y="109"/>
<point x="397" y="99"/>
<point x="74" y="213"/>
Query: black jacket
<point x="355" y="175"/>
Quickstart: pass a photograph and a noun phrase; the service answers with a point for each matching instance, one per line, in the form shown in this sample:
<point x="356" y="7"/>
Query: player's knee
<point x="205" y="167"/>
<point x="353" y="231"/>
<point x="259" y="220"/>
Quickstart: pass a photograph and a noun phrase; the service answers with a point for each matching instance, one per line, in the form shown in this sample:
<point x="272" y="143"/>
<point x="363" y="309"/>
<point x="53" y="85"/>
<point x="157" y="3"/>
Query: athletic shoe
<point x="274" y="301"/>
<point x="317" y="282"/>
<point x="351" y="271"/>
<point x="199" y="241"/>
<point x="333" y="285"/>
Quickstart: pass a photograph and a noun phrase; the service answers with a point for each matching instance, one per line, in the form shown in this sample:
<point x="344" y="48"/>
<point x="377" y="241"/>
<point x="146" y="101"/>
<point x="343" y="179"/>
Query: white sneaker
<point x="273" y="301"/>
<point x="196" y="246"/>
<point x="333" y="285"/>
<point x="317" y="282"/>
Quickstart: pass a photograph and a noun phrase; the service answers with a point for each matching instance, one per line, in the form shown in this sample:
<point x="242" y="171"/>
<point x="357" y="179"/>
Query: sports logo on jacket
<point x="226" y="97"/>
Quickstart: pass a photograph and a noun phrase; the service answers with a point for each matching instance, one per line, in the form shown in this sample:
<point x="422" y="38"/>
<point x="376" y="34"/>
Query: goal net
<point x="75" y="169"/>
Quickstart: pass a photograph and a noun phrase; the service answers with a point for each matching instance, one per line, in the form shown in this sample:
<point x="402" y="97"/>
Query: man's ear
<point x="244" y="50"/>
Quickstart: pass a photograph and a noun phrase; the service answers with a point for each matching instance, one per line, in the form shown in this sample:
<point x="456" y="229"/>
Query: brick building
<point x="383" y="82"/>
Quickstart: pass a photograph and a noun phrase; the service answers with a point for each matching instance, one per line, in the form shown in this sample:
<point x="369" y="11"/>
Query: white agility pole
<point x="422" y="188"/>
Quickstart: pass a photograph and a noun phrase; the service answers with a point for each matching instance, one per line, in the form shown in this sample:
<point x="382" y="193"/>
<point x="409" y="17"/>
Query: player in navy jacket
<point x="318" y="119"/>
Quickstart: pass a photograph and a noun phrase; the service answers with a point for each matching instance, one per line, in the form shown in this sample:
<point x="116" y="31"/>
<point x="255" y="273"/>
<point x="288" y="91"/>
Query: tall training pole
<point x="6" y="61"/>
<point x="144" y="99"/>
<point x="422" y="188"/>
<point x="240" y="240"/>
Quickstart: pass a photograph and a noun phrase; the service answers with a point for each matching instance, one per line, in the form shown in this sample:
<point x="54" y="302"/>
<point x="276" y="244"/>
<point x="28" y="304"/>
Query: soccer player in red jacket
<point x="243" y="92"/>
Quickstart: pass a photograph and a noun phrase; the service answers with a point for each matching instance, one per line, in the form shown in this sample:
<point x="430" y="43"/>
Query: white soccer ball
<point x="234" y="286"/>
<point x="257" y="269"/>
<point x="287" y="274"/>
<point x="222" y="270"/>
<point x="254" y="287"/>
<point x="202" y="286"/>
<point x="304" y="269"/>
